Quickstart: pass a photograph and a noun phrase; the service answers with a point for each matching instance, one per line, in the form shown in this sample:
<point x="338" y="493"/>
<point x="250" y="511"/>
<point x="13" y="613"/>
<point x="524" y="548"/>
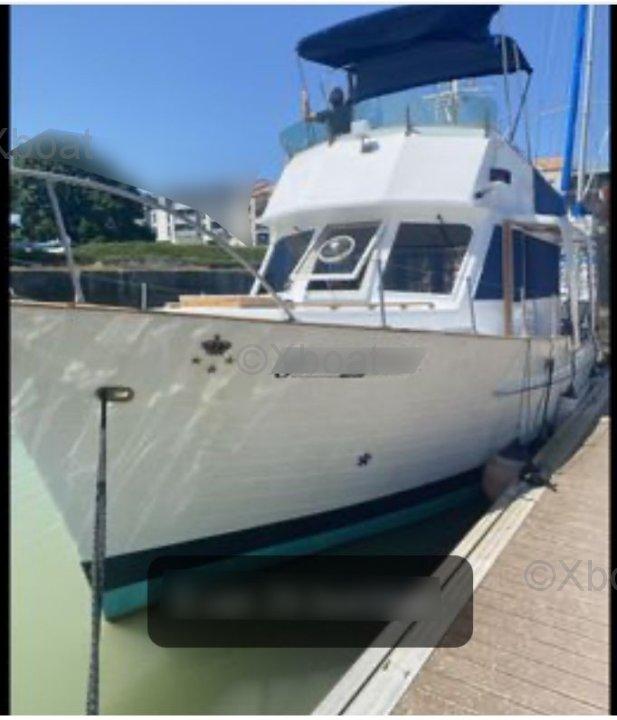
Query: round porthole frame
<point x="351" y="246"/>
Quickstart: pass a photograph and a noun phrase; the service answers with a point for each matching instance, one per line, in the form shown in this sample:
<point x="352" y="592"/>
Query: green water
<point x="50" y="609"/>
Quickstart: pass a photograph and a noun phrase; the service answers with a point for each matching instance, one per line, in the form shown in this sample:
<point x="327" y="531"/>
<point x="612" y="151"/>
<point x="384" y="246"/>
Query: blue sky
<point x="205" y="90"/>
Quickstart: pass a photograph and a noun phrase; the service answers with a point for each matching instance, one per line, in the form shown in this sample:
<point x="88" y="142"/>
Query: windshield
<point x="426" y="257"/>
<point x="468" y="107"/>
<point x="341" y="247"/>
<point x="285" y="256"/>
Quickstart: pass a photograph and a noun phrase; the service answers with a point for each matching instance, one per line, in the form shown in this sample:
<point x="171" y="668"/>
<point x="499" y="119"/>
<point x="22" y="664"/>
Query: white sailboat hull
<point x="213" y="445"/>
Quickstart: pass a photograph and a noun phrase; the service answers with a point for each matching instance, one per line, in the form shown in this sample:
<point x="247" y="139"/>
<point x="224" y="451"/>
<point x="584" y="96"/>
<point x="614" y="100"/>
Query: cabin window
<point x="285" y="256"/>
<point x="341" y="248"/>
<point x="426" y="257"/>
<point x="354" y="284"/>
<point x="535" y="267"/>
<point x="497" y="174"/>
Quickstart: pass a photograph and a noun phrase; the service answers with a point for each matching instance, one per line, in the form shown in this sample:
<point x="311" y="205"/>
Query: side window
<point x="536" y="267"/>
<point x="285" y="256"/>
<point x="490" y="286"/>
<point x="426" y="257"/>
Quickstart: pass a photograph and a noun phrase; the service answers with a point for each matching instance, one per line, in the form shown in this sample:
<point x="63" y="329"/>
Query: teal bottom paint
<point x="128" y="599"/>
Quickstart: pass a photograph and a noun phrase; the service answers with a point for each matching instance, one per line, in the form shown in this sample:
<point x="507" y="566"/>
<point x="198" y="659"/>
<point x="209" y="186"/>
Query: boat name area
<point x="324" y="362"/>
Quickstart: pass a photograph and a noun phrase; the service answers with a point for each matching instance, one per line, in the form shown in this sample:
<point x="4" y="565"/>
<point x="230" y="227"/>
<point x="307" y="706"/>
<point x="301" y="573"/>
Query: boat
<point x="408" y="323"/>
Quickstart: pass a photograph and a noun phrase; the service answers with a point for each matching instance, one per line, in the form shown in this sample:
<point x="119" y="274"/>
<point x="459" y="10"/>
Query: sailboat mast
<point x="566" y="175"/>
<point x="582" y="158"/>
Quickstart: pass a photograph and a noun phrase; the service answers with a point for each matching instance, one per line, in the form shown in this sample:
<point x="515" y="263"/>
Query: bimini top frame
<point x="51" y="179"/>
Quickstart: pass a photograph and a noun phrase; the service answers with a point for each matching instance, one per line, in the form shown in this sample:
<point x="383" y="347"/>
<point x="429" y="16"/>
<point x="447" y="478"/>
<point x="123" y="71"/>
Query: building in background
<point x="262" y="190"/>
<point x="597" y="183"/>
<point x="179" y="228"/>
<point x="551" y="168"/>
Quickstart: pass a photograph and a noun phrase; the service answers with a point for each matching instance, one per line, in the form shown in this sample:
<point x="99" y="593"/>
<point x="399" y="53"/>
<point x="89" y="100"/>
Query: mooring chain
<point x="97" y="567"/>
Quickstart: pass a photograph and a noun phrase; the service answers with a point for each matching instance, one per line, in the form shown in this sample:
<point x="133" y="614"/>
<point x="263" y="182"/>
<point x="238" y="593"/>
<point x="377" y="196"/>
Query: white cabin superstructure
<point x="437" y="179"/>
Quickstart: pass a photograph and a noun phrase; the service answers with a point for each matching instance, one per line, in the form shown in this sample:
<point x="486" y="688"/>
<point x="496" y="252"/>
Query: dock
<point x="541" y="566"/>
<point x="540" y="639"/>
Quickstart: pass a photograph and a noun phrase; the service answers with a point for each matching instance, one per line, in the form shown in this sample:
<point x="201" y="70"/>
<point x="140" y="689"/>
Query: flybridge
<point x="411" y="46"/>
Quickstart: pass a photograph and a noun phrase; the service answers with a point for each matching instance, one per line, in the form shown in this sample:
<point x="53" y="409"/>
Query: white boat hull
<point x="210" y="447"/>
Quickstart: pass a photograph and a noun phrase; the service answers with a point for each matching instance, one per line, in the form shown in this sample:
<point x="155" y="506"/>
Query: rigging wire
<point x="525" y="105"/>
<point x="505" y="80"/>
<point x="596" y="160"/>
<point x="555" y="10"/>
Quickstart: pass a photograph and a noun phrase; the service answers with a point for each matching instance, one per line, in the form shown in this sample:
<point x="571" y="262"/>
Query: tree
<point x="89" y="215"/>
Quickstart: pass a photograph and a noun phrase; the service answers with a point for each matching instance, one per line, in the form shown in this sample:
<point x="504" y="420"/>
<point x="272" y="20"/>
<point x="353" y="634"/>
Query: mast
<point x="578" y="209"/>
<point x="582" y="158"/>
<point x="566" y="175"/>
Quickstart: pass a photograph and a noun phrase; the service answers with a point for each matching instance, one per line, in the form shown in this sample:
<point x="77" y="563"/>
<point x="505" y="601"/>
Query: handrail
<point x="66" y="242"/>
<point x="53" y="178"/>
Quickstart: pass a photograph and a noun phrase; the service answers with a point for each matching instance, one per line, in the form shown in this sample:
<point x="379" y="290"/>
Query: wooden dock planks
<point x="537" y="650"/>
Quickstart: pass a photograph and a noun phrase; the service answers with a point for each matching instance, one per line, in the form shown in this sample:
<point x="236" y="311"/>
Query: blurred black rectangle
<point x="312" y="601"/>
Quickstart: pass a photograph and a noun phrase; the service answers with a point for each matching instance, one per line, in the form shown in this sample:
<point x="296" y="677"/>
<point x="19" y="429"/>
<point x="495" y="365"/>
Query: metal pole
<point x="506" y="86"/>
<point x="507" y="280"/>
<point x="566" y="175"/>
<point x="582" y="157"/>
<point x="524" y="328"/>
<point x="591" y="276"/>
<point x="155" y="205"/>
<point x="472" y="310"/>
<point x="573" y="281"/>
<point x="199" y="227"/>
<point x="66" y="242"/>
<point x="455" y="100"/>
<point x="382" y="305"/>
<point x="144" y="296"/>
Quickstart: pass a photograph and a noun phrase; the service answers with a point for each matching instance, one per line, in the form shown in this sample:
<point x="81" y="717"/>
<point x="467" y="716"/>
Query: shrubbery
<point x="132" y="254"/>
